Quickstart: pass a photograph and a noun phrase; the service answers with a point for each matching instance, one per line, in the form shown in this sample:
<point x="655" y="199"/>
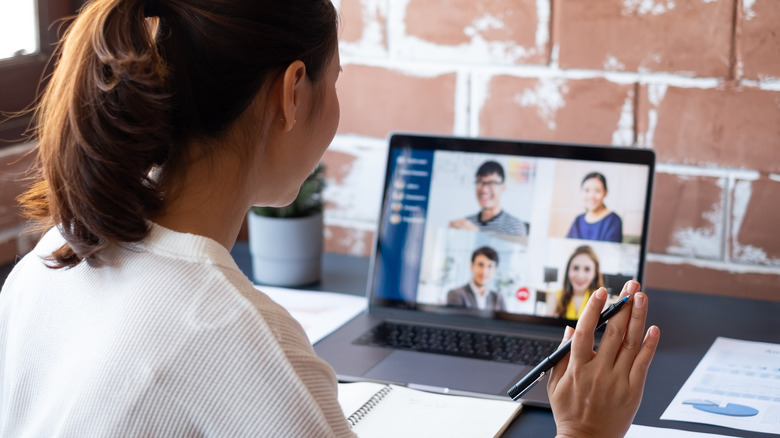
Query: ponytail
<point x="136" y="82"/>
<point x="102" y="127"/>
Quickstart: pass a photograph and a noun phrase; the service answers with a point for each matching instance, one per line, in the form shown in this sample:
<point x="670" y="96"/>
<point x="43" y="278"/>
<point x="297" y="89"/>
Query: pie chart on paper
<point x="728" y="409"/>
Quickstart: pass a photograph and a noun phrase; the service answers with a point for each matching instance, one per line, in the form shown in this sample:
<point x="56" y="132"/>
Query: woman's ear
<point x="292" y="89"/>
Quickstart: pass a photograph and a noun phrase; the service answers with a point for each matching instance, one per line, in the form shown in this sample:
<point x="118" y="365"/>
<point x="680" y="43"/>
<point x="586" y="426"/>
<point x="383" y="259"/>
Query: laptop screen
<point x="508" y="229"/>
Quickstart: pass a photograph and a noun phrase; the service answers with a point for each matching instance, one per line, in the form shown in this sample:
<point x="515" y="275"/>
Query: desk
<point x="689" y="325"/>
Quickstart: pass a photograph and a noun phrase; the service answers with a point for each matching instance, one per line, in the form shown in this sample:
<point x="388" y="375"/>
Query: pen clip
<point x="528" y="388"/>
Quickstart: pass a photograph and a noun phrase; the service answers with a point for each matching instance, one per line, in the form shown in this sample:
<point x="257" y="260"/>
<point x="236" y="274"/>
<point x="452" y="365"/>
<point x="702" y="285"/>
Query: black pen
<point x="536" y="374"/>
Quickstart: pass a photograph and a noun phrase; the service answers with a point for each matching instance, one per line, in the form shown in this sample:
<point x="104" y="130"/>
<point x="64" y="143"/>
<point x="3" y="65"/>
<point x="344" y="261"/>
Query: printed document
<point x="736" y="385"/>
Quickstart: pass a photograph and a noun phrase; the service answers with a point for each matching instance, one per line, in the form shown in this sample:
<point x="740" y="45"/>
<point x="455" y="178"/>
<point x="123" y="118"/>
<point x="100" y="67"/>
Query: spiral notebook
<point x="387" y="410"/>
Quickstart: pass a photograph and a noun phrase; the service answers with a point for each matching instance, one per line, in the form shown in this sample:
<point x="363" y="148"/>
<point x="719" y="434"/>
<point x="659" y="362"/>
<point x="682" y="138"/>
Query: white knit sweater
<point x="170" y="339"/>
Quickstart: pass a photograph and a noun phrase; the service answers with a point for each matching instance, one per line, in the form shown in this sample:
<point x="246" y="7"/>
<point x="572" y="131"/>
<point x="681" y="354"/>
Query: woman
<point x="598" y="222"/>
<point x="583" y="277"/>
<point x="164" y="121"/>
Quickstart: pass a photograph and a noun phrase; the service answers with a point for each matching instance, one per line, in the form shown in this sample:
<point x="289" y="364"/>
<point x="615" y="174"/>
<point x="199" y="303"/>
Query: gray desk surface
<point x="689" y="325"/>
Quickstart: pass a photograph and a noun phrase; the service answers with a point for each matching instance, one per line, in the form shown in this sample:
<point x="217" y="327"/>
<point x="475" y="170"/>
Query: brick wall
<point x="696" y="80"/>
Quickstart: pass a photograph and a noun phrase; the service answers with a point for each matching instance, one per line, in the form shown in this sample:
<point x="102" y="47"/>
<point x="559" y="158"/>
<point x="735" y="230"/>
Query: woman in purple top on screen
<point x="598" y="222"/>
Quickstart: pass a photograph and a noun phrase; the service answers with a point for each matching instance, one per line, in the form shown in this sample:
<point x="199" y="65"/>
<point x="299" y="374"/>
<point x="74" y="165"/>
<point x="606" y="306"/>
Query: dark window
<point x="22" y="68"/>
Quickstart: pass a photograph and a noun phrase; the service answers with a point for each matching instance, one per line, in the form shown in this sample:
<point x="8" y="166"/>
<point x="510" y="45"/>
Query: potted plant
<point x="286" y="242"/>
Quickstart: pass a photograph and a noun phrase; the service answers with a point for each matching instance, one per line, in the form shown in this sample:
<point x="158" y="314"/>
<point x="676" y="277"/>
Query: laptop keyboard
<point x="475" y="345"/>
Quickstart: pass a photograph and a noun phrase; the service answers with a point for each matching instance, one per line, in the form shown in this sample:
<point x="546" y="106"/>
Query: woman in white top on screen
<point x="163" y="123"/>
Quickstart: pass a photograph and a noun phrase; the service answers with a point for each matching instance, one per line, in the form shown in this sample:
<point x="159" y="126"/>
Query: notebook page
<point x="410" y="413"/>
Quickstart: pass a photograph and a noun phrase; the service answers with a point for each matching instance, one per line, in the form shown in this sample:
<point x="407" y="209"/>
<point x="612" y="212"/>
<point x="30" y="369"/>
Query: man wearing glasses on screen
<point x="492" y="218"/>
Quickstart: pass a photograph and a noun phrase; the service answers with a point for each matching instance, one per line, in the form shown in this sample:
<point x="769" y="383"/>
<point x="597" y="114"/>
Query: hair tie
<point x="152" y="9"/>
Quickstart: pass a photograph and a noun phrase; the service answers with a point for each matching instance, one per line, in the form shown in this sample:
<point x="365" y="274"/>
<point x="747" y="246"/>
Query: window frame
<point x="22" y="78"/>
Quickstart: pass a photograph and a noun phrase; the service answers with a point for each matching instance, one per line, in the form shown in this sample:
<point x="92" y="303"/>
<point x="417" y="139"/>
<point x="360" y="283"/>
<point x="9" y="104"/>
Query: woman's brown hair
<point x="135" y="81"/>
<point x="568" y="289"/>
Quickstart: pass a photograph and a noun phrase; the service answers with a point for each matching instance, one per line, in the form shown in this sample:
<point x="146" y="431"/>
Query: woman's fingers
<point x="615" y="334"/>
<point x="632" y="341"/>
<point x="582" y="344"/>
<point x="568" y="332"/>
<point x="557" y="371"/>
<point x="629" y="288"/>
<point x="622" y="345"/>
<point x="641" y="364"/>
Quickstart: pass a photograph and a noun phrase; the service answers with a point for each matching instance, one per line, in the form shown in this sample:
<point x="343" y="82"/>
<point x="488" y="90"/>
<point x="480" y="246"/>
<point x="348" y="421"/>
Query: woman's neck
<point x="209" y="200"/>
<point x="596" y="214"/>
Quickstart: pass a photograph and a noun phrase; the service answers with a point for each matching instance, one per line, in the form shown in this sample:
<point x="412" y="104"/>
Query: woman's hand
<point x="597" y="394"/>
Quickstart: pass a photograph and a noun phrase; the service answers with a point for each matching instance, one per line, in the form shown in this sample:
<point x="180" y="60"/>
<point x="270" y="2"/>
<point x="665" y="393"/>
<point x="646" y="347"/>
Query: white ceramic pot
<point x="285" y="252"/>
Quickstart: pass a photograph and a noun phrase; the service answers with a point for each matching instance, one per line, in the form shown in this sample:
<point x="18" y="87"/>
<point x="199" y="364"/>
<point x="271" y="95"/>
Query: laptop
<point x="485" y="250"/>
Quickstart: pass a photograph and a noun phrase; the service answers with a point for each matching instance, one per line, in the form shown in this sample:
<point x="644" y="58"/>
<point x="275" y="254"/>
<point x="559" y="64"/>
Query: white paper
<point x="406" y="413"/>
<point x="320" y="313"/>
<point x="637" y="431"/>
<point x="736" y="384"/>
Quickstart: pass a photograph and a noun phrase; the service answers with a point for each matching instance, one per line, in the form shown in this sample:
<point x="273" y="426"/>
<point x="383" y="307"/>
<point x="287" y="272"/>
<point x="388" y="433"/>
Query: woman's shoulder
<point x="49" y="242"/>
<point x="612" y="217"/>
<point x="607" y="218"/>
<point x="32" y="266"/>
<point x="578" y="221"/>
